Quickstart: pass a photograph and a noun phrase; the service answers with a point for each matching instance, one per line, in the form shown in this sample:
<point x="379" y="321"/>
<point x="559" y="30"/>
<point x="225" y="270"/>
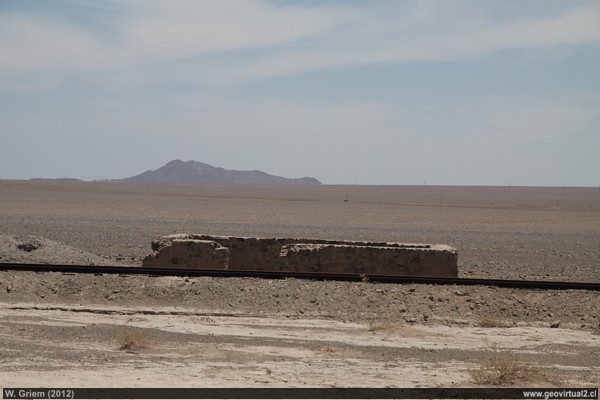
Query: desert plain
<point x="82" y="330"/>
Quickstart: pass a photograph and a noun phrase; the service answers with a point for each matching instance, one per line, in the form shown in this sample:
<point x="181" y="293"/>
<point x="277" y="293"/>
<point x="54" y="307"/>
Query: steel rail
<point x="129" y="270"/>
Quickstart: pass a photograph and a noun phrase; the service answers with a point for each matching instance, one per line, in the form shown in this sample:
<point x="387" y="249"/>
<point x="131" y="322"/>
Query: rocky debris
<point x="39" y="250"/>
<point x="301" y="255"/>
<point x="29" y="246"/>
<point x="555" y="324"/>
<point x="298" y="298"/>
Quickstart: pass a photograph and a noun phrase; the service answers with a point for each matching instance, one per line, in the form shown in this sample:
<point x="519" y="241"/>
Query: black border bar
<point x="300" y="393"/>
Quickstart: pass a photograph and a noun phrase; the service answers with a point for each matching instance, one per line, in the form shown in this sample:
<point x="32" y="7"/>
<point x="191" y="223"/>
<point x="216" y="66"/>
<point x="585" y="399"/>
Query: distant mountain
<point x="178" y="171"/>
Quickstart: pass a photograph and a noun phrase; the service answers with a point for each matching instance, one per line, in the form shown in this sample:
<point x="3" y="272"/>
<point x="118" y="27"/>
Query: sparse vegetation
<point x="504" y="369"/>
<point x="379" y="325"/>
<point x="388" y="322"/>
<point x="133" y="341"/>
<point x="364" y="277"/>
<point x="492" y="322"/>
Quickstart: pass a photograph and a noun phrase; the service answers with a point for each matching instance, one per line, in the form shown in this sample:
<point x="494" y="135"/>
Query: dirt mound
<point x="37" y="249"/>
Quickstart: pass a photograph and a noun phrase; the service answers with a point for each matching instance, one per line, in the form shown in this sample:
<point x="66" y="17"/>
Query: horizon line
<point x="466" y="185"/>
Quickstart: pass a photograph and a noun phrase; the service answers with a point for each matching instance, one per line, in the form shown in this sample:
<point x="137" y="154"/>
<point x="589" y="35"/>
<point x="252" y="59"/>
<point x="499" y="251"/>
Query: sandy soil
<point x="192" y="347"/>
<point x="65" y="329"/>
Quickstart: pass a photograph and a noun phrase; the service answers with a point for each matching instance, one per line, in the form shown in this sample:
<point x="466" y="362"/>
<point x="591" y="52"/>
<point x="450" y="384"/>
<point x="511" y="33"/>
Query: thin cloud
<point x="263" y="39"/>
<point x="154" y="32"/>
<point x="396" y="45"/>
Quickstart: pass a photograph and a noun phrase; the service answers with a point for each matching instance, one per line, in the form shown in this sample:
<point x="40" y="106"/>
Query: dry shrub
<point x="379" y="325"/>
<point x="390" y="321"/>
<point x="132" y="341"/>
<point x="491" y="322"/>
<point x="500" y="369"/>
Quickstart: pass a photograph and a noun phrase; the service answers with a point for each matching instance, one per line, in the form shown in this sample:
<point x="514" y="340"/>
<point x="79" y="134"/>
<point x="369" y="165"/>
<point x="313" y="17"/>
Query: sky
<point x="394" y="92"/>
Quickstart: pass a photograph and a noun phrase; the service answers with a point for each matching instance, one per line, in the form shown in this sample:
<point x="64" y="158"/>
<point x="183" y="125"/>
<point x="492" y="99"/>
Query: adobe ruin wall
<point x="302" y="255"/>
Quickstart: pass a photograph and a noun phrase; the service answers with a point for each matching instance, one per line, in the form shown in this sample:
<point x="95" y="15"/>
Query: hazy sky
<point x="381" y="92"/>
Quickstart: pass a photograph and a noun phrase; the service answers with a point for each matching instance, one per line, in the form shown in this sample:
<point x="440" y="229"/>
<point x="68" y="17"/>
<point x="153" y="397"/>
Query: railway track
<point x="123" y="270"/>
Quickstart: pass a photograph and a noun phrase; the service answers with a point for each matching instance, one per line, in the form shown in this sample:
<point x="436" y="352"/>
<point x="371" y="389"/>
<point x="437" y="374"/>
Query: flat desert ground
<point x="139" y="331"/>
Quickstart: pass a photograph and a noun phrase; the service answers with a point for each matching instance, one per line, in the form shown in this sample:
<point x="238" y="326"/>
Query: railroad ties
<point x="371" y="278"/>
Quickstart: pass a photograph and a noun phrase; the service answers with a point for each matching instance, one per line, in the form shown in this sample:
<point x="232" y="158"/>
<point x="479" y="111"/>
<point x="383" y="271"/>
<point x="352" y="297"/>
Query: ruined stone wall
<point x="302" y="255"/>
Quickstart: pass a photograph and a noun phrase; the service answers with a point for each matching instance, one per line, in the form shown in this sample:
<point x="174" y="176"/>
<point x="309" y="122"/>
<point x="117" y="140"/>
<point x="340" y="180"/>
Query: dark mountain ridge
<point x="178" y="171"/>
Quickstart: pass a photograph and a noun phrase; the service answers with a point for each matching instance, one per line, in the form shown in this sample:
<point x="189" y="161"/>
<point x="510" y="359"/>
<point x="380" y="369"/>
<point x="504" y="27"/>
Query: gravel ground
<point x="342" y="301"/>
<point x="521" y="235"/>
<point x="518" y="233"/>
<point x="55" y="223"/>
